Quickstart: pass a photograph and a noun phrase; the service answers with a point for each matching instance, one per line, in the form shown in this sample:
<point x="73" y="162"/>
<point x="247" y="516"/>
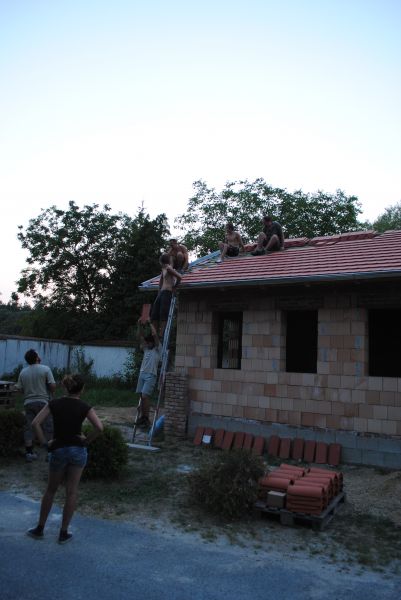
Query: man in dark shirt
<point x="270" y="239"/>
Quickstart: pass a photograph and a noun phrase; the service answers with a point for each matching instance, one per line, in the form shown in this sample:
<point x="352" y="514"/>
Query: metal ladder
<point x="146" y="444"/>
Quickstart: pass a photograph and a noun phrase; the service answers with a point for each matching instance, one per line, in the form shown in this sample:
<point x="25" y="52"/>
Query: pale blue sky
<point x="127" y="102"/>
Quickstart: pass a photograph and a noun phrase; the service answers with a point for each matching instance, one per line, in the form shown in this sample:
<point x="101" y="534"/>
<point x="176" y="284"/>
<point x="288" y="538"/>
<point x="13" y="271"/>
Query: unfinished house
<point x="302" y="343"/>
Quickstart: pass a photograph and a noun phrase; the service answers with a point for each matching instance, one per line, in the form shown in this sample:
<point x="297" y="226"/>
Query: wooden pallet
<point x="318" y="522"/>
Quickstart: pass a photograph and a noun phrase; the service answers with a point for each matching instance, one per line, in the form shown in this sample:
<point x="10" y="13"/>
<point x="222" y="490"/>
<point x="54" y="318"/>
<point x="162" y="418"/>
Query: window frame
<point x="222" y="317"/>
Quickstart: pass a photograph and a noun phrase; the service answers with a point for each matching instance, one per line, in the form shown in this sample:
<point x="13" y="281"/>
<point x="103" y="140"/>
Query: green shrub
<point x="12" y="375"/>
<point x="11" y="431"/>
<point x="227" y="483"/>
<point x="107" y="455"/>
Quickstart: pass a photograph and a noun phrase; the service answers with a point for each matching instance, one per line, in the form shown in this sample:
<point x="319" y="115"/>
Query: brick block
<point x="248" y="441"/>
<point x="298" y="449"/>
<point x="285" y="448"/>
<point x="239" y="440"/>
<point x="309" y="450"/>
<point x="273" y="446"/>
<point x="321" y="453"/>
<point x="228" y="440"/>
<point x="258" y="445"/>
<point x="276" y="499"/>
<point x="218" y="438"/>
<point x="198" y="435"/>
<point x="334" y="455"/>
<point x="145" y="314"/>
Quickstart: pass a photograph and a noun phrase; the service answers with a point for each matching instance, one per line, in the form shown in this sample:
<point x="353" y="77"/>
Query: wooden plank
<point x="289" y="518"/>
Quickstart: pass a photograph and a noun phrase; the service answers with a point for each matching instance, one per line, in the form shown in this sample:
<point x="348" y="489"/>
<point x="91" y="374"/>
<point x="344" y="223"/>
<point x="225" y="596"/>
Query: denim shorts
<point x="146" y="384"/>
<point x="68" y="456"/>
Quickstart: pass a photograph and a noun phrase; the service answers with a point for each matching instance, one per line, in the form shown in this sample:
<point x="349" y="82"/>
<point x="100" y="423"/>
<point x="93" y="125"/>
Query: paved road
<point x="109" y="560"/>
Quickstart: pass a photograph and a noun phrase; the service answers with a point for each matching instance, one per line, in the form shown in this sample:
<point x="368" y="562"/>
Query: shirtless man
<point x="178" y="254"/>
<point x="232" y="243"/>
<point x="169" y="280"/>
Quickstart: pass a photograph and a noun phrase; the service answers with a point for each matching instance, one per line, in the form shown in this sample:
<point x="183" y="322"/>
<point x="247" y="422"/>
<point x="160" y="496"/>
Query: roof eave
<point x="326" y="278"/>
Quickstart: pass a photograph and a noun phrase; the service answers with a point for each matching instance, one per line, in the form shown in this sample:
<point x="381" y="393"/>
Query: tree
<point x="390" y="219"/>
<point x="71" y="256"/>
<point x="84" y="269"/>
<point x="244" y="203"/>
<point x="12" y="316"/>
<point x="137" y="259"/>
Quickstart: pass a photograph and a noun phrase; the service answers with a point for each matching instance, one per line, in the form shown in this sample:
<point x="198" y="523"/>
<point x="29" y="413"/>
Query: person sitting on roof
<point x="232" y="243"/>
<point x="178" y="254"/>
<point x="270" y="239"/>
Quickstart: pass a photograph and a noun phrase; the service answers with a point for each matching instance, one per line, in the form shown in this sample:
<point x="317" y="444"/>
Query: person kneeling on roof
<point x="178" y="254"/>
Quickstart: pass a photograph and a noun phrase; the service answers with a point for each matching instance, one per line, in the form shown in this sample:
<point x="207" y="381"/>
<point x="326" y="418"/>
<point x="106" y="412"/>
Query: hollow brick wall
<point x="340" y="396"/>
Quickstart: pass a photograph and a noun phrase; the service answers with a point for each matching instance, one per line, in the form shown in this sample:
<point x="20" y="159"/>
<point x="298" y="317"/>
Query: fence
<point x="108" y="360"/>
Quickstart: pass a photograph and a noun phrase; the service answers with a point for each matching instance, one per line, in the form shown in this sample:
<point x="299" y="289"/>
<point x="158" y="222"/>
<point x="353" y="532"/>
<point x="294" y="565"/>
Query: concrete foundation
<point x="356" y="448"/>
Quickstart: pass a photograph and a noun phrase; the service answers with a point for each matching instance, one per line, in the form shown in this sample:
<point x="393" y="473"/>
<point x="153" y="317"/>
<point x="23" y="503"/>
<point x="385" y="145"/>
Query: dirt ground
<point x="365" y="531"/>
<point x="369" y="490"/>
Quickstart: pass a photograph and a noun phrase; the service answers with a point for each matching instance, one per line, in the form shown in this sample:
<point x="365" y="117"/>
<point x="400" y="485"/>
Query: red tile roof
<point x="350" y="256"/>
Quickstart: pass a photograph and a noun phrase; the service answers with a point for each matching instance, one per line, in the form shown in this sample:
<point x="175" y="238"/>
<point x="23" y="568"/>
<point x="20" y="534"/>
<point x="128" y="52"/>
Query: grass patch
<point x="97" y="396"/>
<point x="113" y="397"/>
<point x="367" y="540"/>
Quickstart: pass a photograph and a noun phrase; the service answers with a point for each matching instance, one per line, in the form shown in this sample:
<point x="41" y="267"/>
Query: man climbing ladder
<point x="152" y="345"/>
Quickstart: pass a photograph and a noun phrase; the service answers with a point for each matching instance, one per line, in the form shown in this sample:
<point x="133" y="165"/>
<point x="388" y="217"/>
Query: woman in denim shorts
<point x="68" y="453"/>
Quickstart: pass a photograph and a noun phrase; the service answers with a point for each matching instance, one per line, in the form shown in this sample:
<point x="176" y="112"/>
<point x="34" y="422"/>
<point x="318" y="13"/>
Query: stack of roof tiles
<point x="279" y="479"/>
<point x="309" y="490"/>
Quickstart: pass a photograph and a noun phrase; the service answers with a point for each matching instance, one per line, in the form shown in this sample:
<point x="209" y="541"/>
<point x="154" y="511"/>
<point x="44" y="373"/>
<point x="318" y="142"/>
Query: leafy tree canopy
<point x="71" y="256"/>
<point x="244" y="203"/>
<point x="390" y="219"/>
<point x="84" y="267"/>
<point x="12" y="316"/>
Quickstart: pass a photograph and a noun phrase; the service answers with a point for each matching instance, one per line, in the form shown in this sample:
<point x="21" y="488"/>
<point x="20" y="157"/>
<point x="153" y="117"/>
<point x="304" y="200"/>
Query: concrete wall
<point x="339" y="397"/>
<point x="12" y="350"/>
<point x="108" y="360"/>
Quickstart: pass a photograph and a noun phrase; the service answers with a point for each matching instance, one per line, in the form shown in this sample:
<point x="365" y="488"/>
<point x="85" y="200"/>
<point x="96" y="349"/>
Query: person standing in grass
<point x="37" y="384"/>
<point x="68" y="451"/>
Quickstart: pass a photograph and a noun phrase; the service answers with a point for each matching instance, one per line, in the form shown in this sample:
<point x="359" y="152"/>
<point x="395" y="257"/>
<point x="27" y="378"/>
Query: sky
<point x="129" y="102"/>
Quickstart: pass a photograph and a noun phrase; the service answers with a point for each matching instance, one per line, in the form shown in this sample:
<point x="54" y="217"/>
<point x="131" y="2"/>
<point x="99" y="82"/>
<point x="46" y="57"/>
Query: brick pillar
<point x="176" y="405"/>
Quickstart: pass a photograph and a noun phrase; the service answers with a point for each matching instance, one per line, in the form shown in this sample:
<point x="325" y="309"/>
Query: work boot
<point x="143" y="423"/>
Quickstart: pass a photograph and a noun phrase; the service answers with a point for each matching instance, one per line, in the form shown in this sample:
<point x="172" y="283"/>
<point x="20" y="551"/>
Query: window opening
<point x="384" y="342"/>
<point x="230" y="341"/>
<point x="301" y="341"/>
